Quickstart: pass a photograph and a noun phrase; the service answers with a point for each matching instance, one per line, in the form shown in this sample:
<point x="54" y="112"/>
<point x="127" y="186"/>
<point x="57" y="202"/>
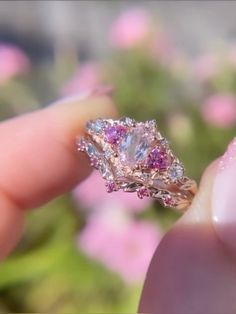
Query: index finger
<point x="38" y="159"/>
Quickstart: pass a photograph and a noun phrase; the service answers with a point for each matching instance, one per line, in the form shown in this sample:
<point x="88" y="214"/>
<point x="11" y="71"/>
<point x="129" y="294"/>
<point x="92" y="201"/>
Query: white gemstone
<point x="134" y="147"/>
<point x="176" y="172"/>
<point x="95" y="126"/>
<point x="127" y="121"/>
<point x="152" y="123"/>
<point x="108" y="152"/>
<point x="92" y="150"/>
<point x="105" y="170"/>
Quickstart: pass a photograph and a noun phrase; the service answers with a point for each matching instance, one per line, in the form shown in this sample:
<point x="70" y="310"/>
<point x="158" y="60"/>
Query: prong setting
<point x="133" y="156"/>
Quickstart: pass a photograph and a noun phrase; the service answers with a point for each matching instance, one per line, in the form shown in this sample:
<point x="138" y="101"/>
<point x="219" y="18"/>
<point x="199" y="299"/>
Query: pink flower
<point x="87" y="77"/>
<point x="205" y="67"/>
<point x="123" y="246"/>
<point x="13" y="61"/>
<point x="92" y="193"/>
<point x="162" y="48"/>
<point x="220" y="110"/>
<point x="130" y="29"/>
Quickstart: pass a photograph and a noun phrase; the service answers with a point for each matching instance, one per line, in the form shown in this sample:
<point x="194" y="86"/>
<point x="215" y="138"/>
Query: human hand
<point x="194" y="268"/>
<point x="38" y="159"/>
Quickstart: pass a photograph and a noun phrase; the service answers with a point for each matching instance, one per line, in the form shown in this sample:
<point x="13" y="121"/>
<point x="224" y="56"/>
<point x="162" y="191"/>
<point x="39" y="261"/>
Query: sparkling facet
<point x="127" y="121"/>
<point x="176" y="172"/>
<point x="158" y="159"/>
<point x="105" y="170"/>
<point x="152" y="123"/>
<point x="95" y="126"/>
<point x="94" y="162"/>
<point x="111" y="186"/>
<point x="91" y="150"/>
<point x="134" y="147"/>
<point x="167" y="200"/>
<point x="142" y="192"/>
<point x="81" y="144"/>
<point x="114" y="133"/>
<point x="108" y="153"/>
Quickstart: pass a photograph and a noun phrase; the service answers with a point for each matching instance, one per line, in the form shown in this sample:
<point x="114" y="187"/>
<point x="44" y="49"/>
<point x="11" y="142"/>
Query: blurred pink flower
<point x="130" y="29"/>
<point x="91" y="193"/>
<point x="122" y="245"/>
<point x="220" y="110"/>
<point x="13" y="61"/>
<point x="205" y="67"/>
<point x="162" y="48"/>
<point x="87" y="77"/>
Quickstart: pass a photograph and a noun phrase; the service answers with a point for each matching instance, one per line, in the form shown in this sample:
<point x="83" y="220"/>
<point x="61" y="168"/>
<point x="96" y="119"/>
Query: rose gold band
<point x="133" y="156"/>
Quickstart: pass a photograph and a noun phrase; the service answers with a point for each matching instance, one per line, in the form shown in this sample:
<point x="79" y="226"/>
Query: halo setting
<point x="133" y="156"/>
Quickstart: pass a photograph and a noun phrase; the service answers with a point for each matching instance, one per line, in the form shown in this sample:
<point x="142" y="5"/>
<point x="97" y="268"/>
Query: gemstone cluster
<point x="133" y="156"/>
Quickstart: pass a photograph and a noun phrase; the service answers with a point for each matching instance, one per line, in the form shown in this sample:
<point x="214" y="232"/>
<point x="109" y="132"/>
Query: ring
<point x="134" y="157"/>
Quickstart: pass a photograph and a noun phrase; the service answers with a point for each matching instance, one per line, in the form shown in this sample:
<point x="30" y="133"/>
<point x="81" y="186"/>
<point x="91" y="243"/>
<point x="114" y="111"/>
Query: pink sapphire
<point x="114" y="133"/>
<point x="142" y="192"/>
<point x="110" y="185"/>
<point x="167" y="200"/>
<point x="158" y="159"/>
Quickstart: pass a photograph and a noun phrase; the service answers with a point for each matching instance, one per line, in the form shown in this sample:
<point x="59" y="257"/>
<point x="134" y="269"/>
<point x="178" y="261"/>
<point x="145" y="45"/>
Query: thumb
<point x="184" y="275"/>
<point x="224" y="198"/>
<point x="215" y="202"/>
<point x="200" y="210"/>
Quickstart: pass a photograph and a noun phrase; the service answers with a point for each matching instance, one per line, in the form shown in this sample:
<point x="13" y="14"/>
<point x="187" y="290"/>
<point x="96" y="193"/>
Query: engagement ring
<point x="133" y="156"/>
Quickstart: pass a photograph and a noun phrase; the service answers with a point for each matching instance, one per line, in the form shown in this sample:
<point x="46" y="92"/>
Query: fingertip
<point x="200" y="209"/>
<point x="224" y="198"/>
<point x="75" y="111"/>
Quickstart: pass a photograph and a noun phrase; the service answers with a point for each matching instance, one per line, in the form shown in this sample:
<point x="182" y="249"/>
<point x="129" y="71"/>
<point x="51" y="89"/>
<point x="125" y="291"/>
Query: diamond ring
<point x="133" y="156"/>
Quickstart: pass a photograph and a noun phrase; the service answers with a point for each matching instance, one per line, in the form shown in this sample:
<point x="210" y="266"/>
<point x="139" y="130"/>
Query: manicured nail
<point x="81" y="95"/>
<point x="224" y="197"/>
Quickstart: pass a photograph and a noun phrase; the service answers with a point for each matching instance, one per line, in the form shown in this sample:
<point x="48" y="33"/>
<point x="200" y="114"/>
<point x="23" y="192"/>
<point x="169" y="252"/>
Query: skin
<point x="38" y="159"/>
<point x="192" y="271"/>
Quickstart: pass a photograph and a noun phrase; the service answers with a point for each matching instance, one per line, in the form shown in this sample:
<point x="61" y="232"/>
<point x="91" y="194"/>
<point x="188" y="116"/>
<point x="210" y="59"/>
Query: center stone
<point x="134" y="147"/>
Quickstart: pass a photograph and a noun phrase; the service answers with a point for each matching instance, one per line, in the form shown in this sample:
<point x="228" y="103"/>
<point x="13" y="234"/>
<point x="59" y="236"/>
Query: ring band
<point x="133" y="156"/>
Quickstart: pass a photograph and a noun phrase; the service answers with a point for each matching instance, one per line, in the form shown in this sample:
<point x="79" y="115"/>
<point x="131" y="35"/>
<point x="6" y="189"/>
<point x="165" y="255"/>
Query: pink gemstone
<point x="142" y="192"/>
<point x="114" y="133"/>
<point x="167" y="200"/>
<point x="158" y="159"/>
<point x="94" y="162"/>
<point x="110" y="185"/>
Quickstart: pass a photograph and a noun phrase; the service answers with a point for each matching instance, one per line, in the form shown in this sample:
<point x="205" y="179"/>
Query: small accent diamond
<point x="95" y="126"/>
<point x="176" y="172"/>
<point x="105" y="170"/>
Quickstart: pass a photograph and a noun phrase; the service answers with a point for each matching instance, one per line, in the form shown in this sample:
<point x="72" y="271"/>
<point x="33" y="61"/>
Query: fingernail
<point x="81" y="95"/>
<point x="224" y="197"/>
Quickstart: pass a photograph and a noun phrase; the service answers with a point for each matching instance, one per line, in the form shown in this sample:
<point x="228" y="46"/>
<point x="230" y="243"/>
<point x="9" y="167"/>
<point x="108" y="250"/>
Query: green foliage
<point x="47" y="272"/>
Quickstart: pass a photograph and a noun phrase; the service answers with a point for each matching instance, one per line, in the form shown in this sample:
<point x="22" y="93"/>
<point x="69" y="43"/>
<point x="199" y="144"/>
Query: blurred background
<point x="172" y="61"/>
